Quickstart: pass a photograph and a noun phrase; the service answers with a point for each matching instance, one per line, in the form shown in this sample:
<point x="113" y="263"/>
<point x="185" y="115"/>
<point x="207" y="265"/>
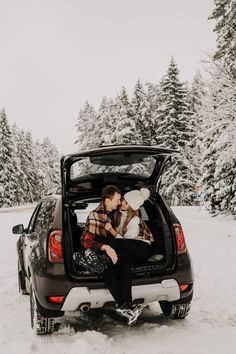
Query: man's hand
<point x="110" y="252"/>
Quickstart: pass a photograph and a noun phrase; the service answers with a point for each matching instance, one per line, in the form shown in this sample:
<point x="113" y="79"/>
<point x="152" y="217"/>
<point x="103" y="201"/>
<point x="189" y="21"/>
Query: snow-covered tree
<point x="16" y="137"/>
<point x="8" y="179"/>
<point x="218" y="143"/>
<point x="87" y="132"/>
<point x="218" y="112"/>
<point x="28" y="174"/>
<point x="153" y="97"/>
<point x="49" y="166"/>
<point x="105" y="121"/>
<point x="125" y="132"/>
<point x="225" y="16"/>
<point x="197" y="92"/>
<point x="141" y="112"/>
<point x="175" y="131"/>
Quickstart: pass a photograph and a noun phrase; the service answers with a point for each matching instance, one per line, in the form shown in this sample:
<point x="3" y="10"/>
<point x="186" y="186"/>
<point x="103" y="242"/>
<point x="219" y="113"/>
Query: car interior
<point x="150" y="213"/>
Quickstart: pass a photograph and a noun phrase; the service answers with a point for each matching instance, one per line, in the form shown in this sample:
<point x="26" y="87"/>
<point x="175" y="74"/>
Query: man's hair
<point x="109" y="191"/>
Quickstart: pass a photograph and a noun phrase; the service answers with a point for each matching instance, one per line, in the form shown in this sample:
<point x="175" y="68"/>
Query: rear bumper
<point x="167" y="290"/>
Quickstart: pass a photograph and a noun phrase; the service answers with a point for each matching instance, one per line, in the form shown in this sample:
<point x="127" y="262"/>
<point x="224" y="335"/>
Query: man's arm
<point x="88" y="241"/>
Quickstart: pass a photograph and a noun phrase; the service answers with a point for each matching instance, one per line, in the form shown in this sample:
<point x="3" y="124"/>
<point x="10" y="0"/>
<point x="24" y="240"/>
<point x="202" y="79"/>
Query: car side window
<point x="144" y="214"/>
<point x="32" y="219"/>
<point x="45" y="216"/>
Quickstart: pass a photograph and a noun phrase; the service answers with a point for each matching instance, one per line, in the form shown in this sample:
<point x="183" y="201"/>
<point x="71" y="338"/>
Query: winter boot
<point x="93" y="260"/>
<point x="80" y="260"/>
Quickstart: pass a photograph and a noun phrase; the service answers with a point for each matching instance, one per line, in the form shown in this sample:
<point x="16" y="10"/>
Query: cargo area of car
<point x="162" y="258"/>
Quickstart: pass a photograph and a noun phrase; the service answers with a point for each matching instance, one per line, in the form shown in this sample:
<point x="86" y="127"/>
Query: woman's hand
<point x="108" y="226"/>
<point x="110" y="252"/>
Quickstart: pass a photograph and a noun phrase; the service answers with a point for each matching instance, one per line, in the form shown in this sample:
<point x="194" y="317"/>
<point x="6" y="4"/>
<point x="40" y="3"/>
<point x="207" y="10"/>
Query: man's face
<point x="112" y="204"/>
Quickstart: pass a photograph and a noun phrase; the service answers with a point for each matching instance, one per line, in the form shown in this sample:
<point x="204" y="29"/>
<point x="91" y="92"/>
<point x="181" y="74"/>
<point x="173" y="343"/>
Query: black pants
<point x="118" y="278"/>
<point x="133" y="250"/>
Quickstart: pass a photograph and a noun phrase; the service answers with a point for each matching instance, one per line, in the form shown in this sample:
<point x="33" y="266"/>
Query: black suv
<point x="46" y="269"/>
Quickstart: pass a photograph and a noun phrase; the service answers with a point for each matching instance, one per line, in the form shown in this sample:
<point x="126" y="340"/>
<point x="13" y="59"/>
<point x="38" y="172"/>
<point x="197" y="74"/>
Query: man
<point x="95" y="237"/>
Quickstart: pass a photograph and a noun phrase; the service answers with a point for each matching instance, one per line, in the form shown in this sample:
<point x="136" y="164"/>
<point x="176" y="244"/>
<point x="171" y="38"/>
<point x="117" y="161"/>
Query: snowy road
<point x="210" y="327"/>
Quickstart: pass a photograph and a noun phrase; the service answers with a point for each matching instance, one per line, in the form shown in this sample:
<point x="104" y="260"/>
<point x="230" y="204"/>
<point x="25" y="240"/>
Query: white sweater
<point x="132" y="228"/>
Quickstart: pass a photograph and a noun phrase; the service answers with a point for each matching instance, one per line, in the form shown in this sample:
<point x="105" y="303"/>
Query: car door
<point x="131" y="166"/>
<point x="28" y="237"/>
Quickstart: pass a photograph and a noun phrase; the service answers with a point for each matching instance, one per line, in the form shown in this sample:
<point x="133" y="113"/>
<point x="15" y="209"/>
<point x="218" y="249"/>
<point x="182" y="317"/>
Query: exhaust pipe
<point x="84" y="307"/>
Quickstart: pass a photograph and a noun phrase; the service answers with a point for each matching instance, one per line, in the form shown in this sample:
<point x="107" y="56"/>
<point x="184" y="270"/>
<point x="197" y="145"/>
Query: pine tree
<point x="218" y="123"/>
<point x="41" y="168"/>
<point x="16" y="137"/>
<point x="105" y="126"/>
<point x="197" y="92"/>
<point x="175" y="131"/>
<point x="141" y="112"/>
<point x="28" y="175"/>
<point x="8" y="179"/>
<point x="125" y="132"/>
<point x="218" y="144"/>
<point x="87" y="129"/>
<point x="225" y="15"/>
<point x="51" y="159"/>
<point x="153" y="97"/>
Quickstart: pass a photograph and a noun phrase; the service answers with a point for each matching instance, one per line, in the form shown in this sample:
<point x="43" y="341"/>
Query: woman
<point x="132" y="240"/>
<point x="130" y="243"/>
<point x="132" y="228"/>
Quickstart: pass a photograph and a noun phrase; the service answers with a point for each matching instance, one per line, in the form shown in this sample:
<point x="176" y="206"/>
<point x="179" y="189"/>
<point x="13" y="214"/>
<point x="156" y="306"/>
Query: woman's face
<point x="124" y="205"/>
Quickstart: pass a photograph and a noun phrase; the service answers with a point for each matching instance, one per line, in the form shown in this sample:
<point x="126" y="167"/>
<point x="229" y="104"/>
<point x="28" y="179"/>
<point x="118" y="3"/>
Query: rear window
<point x="119" y="163"/>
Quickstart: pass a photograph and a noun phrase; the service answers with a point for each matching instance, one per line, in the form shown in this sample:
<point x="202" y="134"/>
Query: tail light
<point x="55" y="247"/>
<point x="180" y="241"/>
<point x="184" y="287"/>
<point x="56" y="299"/>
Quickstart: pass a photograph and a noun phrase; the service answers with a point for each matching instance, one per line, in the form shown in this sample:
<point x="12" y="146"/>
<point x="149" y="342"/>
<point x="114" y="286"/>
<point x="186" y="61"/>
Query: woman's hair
<point x="130" y="214"/>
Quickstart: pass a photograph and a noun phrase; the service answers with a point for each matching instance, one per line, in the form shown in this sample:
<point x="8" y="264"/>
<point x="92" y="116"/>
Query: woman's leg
<point x="135" y="250"/>
<point x="118" y="280"/>
<point x="112" y="282"/>
<point x="124" y="269"/>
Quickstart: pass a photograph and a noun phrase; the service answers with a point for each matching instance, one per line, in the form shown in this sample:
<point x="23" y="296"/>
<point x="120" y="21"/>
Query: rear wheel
<point x="176" y="311"/>
<point x="41" y="325"/>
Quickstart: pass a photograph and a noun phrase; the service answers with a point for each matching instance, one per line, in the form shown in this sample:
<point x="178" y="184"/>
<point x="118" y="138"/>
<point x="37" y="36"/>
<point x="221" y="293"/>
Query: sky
<point x="56" y="54"/>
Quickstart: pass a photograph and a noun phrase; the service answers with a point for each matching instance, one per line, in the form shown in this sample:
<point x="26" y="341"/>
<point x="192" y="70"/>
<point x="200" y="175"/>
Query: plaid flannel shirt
<point x="95" y="226"/>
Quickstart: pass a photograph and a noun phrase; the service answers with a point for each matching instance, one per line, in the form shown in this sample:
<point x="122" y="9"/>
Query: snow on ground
<point x="209" y="328"/>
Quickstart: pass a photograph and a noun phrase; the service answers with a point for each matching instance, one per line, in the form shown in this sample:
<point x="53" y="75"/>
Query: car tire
<point x="175" y="311"/>
<point x="41" y="325"/>
<point x="22" y="282"/>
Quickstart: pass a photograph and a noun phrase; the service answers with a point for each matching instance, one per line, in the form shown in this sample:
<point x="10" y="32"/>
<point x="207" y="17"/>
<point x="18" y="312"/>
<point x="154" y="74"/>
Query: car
<point x="45" y="248"/>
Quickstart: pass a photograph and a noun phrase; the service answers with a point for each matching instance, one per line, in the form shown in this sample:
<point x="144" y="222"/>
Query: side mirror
<point x="18" y="229"/>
